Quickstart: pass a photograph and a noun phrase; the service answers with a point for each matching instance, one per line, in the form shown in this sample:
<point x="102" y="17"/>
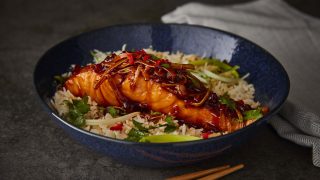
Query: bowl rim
<point x="184" y="143"/>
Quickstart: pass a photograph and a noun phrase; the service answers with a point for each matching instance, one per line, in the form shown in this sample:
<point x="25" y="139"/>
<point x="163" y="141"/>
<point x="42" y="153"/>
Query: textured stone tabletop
<point x="34" y="147"/>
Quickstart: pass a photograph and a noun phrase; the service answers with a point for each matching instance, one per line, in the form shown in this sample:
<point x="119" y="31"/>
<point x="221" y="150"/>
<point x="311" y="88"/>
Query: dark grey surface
<point x="33" y="147"/>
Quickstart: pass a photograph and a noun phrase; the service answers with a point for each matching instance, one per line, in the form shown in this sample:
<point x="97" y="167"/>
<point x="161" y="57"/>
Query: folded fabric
<point x="293" y="38"/>
<point x="300" y="126"/>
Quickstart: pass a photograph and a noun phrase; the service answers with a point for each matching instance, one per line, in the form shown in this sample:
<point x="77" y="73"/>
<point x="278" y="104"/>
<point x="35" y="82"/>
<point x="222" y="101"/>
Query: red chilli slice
<point x="205" y="135"/>
<point x="117" y="127"/>
<point x="146" y="57"/>
<point x="130" y="57"/>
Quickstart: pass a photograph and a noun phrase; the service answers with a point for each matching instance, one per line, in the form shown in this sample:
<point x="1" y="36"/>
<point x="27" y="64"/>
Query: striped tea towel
<point x="293" y="38"/>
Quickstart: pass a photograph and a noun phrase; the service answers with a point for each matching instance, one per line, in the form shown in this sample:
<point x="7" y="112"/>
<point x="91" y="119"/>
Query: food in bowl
<point x="151" y="96"/>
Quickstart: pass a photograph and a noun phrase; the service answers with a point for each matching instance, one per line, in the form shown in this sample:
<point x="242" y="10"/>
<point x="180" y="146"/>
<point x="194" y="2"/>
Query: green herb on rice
<point x="253" y="114"/>
<point x="135" y="135"/>
<point x="154" y="57"/>
<point x="60" y="79"/>
<point x="226" y="100"/>
<point x="139" y="131"/>
<point x="113" y="111"/>
<point x="165" y="65"/>
<point x="139" y="126"/>
<point x="77" y="110"/>
<point x="171" y="126"/>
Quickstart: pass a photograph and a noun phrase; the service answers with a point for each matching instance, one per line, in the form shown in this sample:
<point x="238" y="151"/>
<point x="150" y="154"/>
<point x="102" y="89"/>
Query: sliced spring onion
<point x="98" y="56"/>
<point x="212" y="61"/>
<point x="232" y="71"/>
<point x="245" y="76"/>
<point x="124" y="46"/>
<point x="111" y="121"/>
<point x="218" y="77"/>
<point x="197" y="75"/>
<point x="168" y="138"/>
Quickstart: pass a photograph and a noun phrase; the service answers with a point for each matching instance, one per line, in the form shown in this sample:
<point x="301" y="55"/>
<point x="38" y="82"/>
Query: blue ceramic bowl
<point x="266" y="73"/>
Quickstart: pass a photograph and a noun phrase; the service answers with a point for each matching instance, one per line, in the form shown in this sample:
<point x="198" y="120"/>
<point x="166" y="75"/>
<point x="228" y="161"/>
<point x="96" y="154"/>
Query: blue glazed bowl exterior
<point x="266" y="73"/>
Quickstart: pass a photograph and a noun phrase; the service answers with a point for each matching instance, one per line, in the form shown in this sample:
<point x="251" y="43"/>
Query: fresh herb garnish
<point x="171" y="126"/>
<point x="154" y="57"/>
<point x="253" y="114"/>
<point x="77" y="110"/>
<point x="169" y="120"/>
<point x="93" y="53"/>
<point x="82" y="105"/>
<point x="139" y="126"/>
<point x="135" y="135"/>
<point x="170" y="129"/>
<point x="165" y="65"/>
<point x="113" y="111"/>
<point x="226" y="100"/>
<point x="60" y="79"/>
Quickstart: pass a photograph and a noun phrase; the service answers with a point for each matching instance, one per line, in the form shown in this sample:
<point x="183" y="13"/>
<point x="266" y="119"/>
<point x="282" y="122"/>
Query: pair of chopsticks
<point x="209" y="174"/>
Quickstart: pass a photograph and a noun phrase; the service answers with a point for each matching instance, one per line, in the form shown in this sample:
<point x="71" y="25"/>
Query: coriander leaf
<point x="79" y="121"/>
<point x="170" y="128"/>
<point x="253" y="114"/>
<point x="169" y="120"/>
<point x="165" y="65"/>
<point x="68" y="103"/>
<point x="139" y="126"/>
<point x="154" y="57"/>
<point x="135" y="135"/>
<point x="82" y="105"/>
<point x="225" y="99"/>
<point x="60" y="79"/>
<point x="77" y="110"/>
<point x="74" y="114"/>
<point x="113" y="111"/>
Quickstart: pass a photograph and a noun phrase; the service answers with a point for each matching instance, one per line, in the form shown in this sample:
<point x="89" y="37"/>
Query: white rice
<point x="237" y="91"/>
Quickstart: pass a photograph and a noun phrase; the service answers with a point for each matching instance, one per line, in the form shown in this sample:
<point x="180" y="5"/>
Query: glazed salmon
<point x="137" y="78"/>
<point x="149" y="93"/>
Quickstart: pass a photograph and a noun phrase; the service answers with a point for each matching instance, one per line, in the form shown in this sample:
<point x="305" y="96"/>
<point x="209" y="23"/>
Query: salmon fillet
<point x="108" y="87"/>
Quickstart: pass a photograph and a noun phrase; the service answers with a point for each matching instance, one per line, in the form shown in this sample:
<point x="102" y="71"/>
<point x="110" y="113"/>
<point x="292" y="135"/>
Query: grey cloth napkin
<point x="293" y="38"/>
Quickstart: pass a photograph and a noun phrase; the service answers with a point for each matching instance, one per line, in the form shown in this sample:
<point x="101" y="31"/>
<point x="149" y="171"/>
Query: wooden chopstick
<point x="199" y="173"/>
<point x="214" y="173"/>
<point x="222" y="173"/>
